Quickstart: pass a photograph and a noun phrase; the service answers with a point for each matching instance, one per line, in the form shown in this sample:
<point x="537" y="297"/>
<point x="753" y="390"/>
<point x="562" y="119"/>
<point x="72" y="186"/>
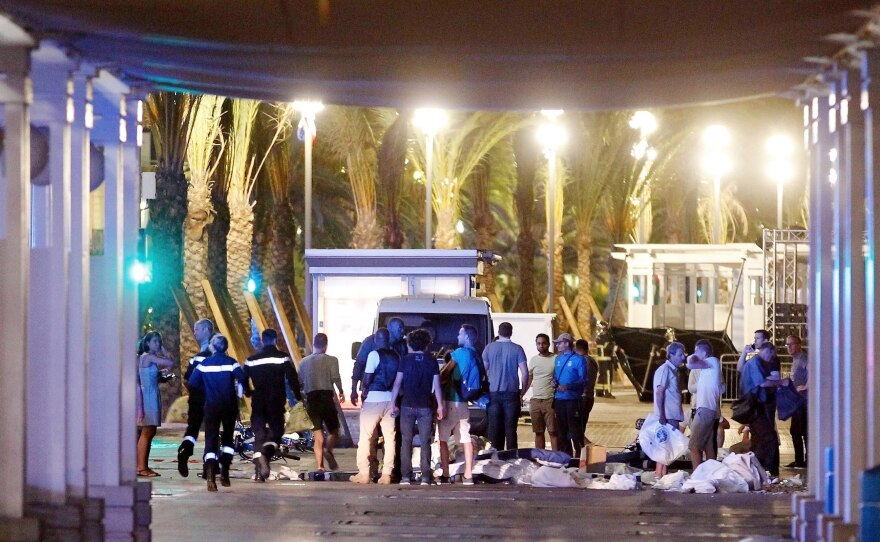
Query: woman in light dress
<point x="152" y="358"/>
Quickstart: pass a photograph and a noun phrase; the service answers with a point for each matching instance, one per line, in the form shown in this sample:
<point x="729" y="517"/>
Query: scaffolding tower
<point x="786" y="253"/>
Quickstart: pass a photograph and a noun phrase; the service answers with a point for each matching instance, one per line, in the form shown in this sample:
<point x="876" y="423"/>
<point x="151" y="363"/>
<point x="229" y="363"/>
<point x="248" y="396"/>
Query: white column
<point x="131" y="191"/>
<point x="78" y="270"/>
<point x="106" y="355"/>
<point x="838" y="313"/>
<point x="47" y="314"/>
<point x="854" y="412"/>
<point x="15" y="96"/>
<point x="872" y="199"/>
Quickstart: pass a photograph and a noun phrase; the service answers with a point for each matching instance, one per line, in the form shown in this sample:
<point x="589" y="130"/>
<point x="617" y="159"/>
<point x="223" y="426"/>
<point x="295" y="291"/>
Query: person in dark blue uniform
<point x="220" y="378"/>
<point x="267" y="371"/>
<point x="203" y="330"/>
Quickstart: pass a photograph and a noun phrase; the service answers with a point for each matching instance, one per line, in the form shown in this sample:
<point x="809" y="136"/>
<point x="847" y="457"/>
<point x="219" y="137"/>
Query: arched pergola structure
<point x="78" y="71"/>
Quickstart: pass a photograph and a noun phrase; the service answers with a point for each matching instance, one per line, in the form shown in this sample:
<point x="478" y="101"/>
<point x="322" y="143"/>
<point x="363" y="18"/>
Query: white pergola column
<point x="47" y="314"/>
<point x="15" y="97"/>
<point x="872" y="277"/>
<point x="110" y="438"/>
<point x="78" y="270"/>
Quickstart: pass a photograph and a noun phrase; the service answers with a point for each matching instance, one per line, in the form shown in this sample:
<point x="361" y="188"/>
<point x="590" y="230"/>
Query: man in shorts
<point x="319" y="373"/>
<point x="541" y="403"/>
<point x="708" y="402"/>
<point x="455" y="420"/>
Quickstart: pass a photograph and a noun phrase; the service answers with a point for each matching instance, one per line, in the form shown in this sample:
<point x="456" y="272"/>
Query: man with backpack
<point x="465" y="384"/>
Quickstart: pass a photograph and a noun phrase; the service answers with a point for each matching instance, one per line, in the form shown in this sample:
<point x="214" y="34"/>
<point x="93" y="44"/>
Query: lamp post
<point x="716" y="163"/>
<point x="308" y="131"/>
<point x="551" y="136"/>
<point x="780" y="149"/>
<point x="429" y="121"/>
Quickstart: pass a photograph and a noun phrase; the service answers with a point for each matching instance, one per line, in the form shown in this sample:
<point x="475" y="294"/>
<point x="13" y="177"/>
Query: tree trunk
<point x="615" y="311"/>
<point x="218" y="230"/>
<point x="238" y="254"/>
<point x="524" y="203"/>
<point x="195" y="263"/>
<point x="391" y="156"/>
<point x="167" y="213"/>
<point x="585" y="281"/>
<point x="485" y="229"/>
<point x="445" y="235"/>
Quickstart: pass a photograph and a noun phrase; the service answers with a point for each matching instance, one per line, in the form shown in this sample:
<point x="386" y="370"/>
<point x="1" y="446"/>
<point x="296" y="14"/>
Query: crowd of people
<point x="405" y="394"/>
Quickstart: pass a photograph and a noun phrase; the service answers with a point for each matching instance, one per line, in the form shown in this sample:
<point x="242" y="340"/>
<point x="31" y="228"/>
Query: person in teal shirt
<point x="456" y="417"/>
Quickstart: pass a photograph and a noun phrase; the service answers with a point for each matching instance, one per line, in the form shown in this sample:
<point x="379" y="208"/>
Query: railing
<point x="731" y="376"/>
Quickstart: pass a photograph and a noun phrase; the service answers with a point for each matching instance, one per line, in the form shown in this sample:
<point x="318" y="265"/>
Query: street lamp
<point x="780" y="148"/>
<point x="429" y="121"/>
<point x="716" y="163"/>
<point x="307" y="132"/>
<point x="551" y="136"/>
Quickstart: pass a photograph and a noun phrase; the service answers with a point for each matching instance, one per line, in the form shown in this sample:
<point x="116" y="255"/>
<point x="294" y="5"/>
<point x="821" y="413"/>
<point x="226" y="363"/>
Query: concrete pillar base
<point x="126" y="510"/>
<point x="20" y="529"/>
<point x="78" y="519"/>
<point x="806" y="513"/>
<point x="838" y="531"/>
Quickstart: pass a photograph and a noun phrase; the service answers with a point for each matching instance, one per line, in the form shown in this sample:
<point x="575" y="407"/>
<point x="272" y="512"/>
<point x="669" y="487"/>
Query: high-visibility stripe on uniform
<point x="196" y="359"/>
<point x="227" y="450"/>
<point x="216" y="368"/>
<point x="266" y="361"/>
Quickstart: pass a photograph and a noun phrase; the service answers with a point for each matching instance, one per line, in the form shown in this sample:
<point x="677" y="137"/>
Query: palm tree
<point x="171" y="116"/>
<point x="392" y="167"/>
<point x="596" y="140"/>
<point x="242" y="170"/>
<point x="351" y="136"/>
<point x="734" y="221"/>
<point x="459" y="150"/>
<point x="524" y="197"/>
<point x="203" y="155"/>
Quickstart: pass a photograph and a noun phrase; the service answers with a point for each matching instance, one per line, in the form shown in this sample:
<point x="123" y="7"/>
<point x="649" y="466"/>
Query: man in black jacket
<point x="203" y="330"/>
<point x="267" y="371"/>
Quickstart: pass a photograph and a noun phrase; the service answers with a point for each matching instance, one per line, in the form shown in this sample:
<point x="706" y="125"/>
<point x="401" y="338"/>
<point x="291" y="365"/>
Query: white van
<point x="442" y="316"/>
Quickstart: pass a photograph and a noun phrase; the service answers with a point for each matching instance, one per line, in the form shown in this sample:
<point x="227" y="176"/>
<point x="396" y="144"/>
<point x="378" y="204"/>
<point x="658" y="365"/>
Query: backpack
<point x="475" y="383"/>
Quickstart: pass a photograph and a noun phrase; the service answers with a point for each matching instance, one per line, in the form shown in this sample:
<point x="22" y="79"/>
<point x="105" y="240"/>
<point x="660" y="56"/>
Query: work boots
<point x="184" y="452"/>
<point x="225" y="461"/>
<point x="263" y="468"/>
<point x="211" y="474"/>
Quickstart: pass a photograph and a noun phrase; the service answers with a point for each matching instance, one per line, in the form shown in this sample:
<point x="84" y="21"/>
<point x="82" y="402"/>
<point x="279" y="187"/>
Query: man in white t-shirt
<point x="707" y="402"/>
<point x="667" y="393"/>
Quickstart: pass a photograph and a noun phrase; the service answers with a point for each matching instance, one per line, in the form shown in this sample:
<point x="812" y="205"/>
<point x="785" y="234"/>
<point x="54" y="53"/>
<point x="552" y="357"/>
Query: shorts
<point x="703" y="430"/>
<point x="322" y="410"/>
<point x="455" y="422"/>
<point x="543" y="417"/>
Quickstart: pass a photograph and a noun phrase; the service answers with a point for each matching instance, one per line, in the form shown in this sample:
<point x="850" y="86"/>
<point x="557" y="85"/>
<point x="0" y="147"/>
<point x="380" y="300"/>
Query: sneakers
<point x="405" y="481"/>
<point x="467" y="481"/>
<point x="359" y="479"/>
<point x="385" y="480"/>
<point x="796" y="465"/>
<point x="184" y="452"/>
<point x="426" y="481"/>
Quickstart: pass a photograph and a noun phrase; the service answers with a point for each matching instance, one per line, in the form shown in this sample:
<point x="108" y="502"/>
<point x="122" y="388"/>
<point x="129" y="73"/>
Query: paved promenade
<point x="297" y="510"/>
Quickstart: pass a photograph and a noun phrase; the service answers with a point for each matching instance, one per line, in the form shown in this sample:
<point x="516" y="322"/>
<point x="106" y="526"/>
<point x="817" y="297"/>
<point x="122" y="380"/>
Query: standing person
<point x="419" y="378"/>
<point x="570" y="376"/>
<point x="800" y="377"/>
<point x="268" y="370"/>
<point x="758" y="378"/>
<point x="456" y="418"/>
<point x="541" y="404"/>
<point x="667" y="394"/>
<point x="203" y="330"/>
<point x="152" y="358"/>
<point x="503" y="358"/>
<point x="761" y="336"/>
<point x="397" y="342"/>
<point x="319" y="372"/>
<point x="377" y="401"/>
<point x="218" y="377"/>
<point x="704" y="426"/>
<point x="588" y="399"/>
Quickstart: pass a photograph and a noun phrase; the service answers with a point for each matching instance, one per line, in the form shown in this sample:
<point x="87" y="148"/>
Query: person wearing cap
<point x="569" y="376"/>
<point x="761" y="379"/>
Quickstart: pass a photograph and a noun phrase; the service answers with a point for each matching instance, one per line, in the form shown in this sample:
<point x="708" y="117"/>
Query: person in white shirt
<point x="667" y="393"/>
<point x="708" y="402"/>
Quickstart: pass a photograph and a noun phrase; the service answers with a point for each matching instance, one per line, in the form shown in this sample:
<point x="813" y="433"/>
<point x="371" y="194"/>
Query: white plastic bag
<point x="672" y="481"/>
<point x="662" y="443"/>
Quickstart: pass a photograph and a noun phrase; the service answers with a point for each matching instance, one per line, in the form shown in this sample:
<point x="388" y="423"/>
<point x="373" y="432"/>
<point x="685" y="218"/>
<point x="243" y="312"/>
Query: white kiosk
<point x="697" y="287"/>
<point x="347" y="284"/>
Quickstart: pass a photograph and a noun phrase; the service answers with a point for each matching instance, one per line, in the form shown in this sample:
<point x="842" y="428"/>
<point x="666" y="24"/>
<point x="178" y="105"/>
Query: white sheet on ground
<point x="672" y="481"/>
<point x="748" y="466"/>
<point x="713" y="476"/>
